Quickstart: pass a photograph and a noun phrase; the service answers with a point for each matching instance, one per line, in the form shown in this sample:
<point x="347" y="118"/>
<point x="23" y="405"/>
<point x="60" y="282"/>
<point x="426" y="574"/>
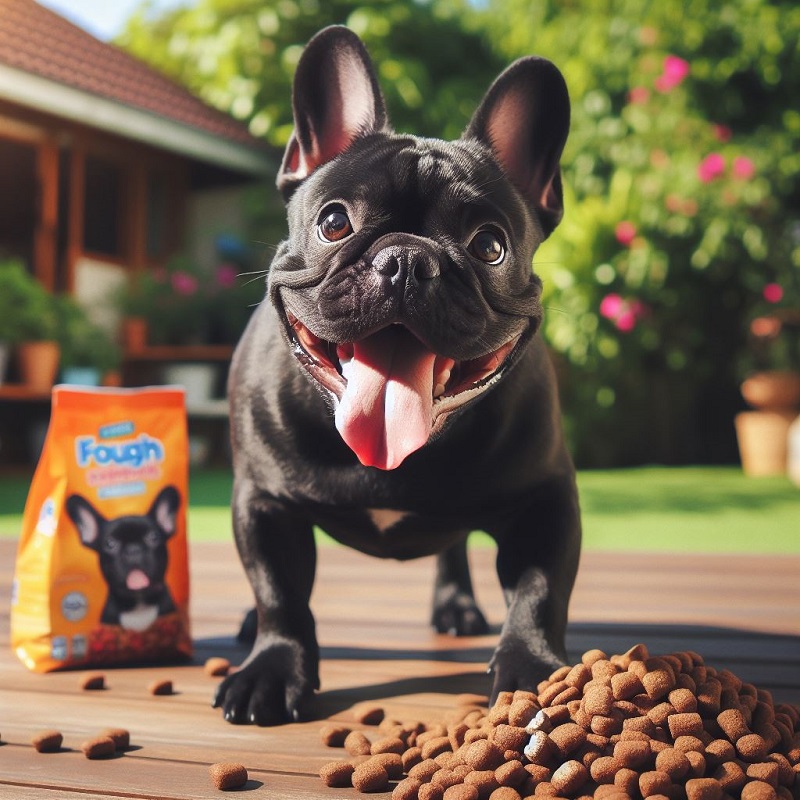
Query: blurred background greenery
<point x="682" y="219"/>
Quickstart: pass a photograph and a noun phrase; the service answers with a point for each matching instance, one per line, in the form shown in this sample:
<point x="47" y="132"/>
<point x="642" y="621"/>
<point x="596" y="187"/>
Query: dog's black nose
<point x="406" y="263"/>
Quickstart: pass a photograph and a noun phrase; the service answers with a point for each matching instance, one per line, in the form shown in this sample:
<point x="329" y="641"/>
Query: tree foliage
<point x="681" y="175"/>
<point x="240" y="56"/>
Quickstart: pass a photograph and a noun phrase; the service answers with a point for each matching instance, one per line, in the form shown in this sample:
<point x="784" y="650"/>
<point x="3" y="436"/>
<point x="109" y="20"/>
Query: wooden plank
<point x="377" y="646"/>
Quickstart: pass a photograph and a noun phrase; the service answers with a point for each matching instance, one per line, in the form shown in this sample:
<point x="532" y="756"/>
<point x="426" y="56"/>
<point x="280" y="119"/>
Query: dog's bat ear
<point x="335" y="99"/>
<point x="524" y="119"/>
<point x="87" y="519"/>
<point x="165" y="509"/>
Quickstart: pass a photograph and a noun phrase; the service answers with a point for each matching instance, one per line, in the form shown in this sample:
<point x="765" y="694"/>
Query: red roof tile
<point x="37" y="40"/>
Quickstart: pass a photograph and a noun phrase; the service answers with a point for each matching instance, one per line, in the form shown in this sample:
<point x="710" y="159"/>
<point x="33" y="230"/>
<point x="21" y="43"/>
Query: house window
<point x="102" y="223"/>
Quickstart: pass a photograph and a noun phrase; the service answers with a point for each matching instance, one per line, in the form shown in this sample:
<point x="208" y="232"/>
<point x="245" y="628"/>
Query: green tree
<point x="240" y="56"/>
<point x="682" y="219"/>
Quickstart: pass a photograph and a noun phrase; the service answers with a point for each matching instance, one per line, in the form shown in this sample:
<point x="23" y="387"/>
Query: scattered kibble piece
<point x="334" y="735"/>
<point x="120" y="737"/>
<point x="216" y="666"/>
<point x="99" y="747"/>
<point x="369" y="715"/>
<point x="93" y="682"/>
<point x="228" y="775"/>
<point x="337" y="773"/>
<point x="47" y="741"/>
<point x="618" y="727"/>
<point x="161" y="687"/>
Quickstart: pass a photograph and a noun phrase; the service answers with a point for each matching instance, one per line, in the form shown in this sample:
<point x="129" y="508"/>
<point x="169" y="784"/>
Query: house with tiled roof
<point x="107" y="166"/>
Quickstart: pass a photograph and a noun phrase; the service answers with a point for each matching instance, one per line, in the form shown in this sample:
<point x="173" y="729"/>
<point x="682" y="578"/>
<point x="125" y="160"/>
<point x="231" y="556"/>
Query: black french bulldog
<point x="391" y="388"/>
<point x="133" y="557"/>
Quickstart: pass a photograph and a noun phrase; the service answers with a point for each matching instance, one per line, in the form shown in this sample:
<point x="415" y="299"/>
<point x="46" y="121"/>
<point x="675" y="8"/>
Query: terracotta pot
<point x="38" y="364"/>
<point x="763" y="438"/>
<point x="773" y="390"/>
<point x="134" y="334"/>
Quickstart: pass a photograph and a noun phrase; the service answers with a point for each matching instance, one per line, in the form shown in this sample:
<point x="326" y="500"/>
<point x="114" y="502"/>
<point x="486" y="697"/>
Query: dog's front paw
<point x="275" y="685"/>
<point x="458" y="614"/>
<point x="516" y="665"/>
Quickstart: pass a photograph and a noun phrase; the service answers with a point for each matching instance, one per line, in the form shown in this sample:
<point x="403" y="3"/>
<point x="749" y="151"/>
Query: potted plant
<point x="33" y="322"/>
<point x="88" y="353"/>
<point x="771" y="387"/>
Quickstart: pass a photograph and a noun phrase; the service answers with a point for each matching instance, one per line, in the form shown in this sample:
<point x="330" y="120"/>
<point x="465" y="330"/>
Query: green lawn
<point x="701" y="509"/>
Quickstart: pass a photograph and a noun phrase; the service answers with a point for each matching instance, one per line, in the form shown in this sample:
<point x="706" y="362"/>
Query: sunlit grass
<point x="687" y="509"/>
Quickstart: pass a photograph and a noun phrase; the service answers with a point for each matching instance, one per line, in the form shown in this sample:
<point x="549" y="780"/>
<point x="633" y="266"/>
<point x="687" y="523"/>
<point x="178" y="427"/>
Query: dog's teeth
<point x="438" y="390"/>
<point x="344" y="352"/>
<point x="443" y="377"/>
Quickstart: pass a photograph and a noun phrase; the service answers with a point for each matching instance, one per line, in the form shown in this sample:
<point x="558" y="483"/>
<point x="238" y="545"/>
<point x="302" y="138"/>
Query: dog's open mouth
<point x="391" y="388"/>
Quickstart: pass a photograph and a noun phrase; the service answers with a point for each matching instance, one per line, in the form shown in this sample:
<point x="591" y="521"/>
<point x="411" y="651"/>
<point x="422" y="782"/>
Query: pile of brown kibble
<point x="622" y="727"/>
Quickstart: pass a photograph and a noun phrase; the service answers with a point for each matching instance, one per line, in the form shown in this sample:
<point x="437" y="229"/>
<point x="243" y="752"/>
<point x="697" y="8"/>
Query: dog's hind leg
<point x="454" y="608"/>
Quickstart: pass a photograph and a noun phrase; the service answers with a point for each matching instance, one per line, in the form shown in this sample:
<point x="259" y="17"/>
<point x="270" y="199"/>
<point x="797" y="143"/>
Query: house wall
<point x="210" y="214"/>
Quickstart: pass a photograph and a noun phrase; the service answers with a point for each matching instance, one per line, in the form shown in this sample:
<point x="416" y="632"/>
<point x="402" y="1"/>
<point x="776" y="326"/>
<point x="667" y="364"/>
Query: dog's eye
<point x="334" y="226"/>
<point x="151" y="539"/>
<point x="488" y="247"/>
<point x="111" y="545"/>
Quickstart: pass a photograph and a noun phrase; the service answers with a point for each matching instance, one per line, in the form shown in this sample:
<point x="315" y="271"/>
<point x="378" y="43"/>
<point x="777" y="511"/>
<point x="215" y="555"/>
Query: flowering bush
<point x="681" y="206"/>
<point x="186" y="305"/>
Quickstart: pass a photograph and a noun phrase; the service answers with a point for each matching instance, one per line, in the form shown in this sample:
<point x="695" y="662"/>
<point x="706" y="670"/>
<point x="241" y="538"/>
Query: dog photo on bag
<point x="391" y="388"/>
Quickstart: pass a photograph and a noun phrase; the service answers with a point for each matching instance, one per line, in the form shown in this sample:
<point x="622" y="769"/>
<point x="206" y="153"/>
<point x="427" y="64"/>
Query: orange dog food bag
<point x="101" y="575"/>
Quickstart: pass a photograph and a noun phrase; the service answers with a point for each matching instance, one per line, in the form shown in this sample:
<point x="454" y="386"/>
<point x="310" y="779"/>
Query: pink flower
<point x="611" y="306"/>
<point x="626" y="321"/>
<point x="711" y="167"/>
<point x="638" y="95"/>
<point x="227" y="275"/>
<point x="183" y="283"/>
<point x="625" y="232"/>
<point x="675" y="70"/>
<point x="722" y="133"/>
<point x="743" y="168"/>
<point x="773" y="293"/>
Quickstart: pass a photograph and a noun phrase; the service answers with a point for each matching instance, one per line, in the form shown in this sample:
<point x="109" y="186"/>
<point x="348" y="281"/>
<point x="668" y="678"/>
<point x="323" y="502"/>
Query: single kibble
<point x="505" y="793"/>
<point x="510" y="737"/>
<point x="93" y="682"/>
<point x="411" y="758"/>
<point x="388" y="745"/>
<point x="625" y="685"/>
<point x="334" y="735"/>
<point x="121" y="737"/>
<point x="47" y="741"/>
<point x="703" y="789"/>
<point x="604" y="768"/>
<point x="461" y="791"/>
<point x="688" y="744"/>
<point x="766" y="771"/>
<point x="731" y="777"/>
<point x="599" y="700"/>
<point x="686" y="724"/>
<point x="392" y="763"/>
<point x="430" y="791"/>
<point x="407" y="789"/>
<point x="357" y="744"/>
<point x="673" y="762"/>
<point x="369" y="715"/>
<point x="483" y="754"/>
<point x="521" y="712"/>
<point x="633" y="754"/>
<point x="654" y="782"/>
<point x="228" y="775"/>
<point x="568" y="738"/>
<point x="424" y="771"/>
<point x="336" y="773"/>
<point x="99" y="747"/>
<point x="216" y="666"/>
<point x="436" y="746"/>
<point x="446" y="777"/>
<point x="719" y="750"/>
<point x="483" y="780"/>
<point x="683" y="700"/>
<point x="512" y="773"/>
<point x="658" y="683"/>
<point x="370" y="777"/>
<point x="569" y="777"/>
<point x="161" y="687"/>
<point x="751" y="747"/>
<point x="758" y="790"/>
<point x="733" y="724"/>
<point x="697" y="764"/>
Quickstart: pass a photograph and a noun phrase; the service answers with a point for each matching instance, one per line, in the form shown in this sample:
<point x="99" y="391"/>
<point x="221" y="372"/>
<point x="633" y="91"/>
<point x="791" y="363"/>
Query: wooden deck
<point x="740" y="612"/>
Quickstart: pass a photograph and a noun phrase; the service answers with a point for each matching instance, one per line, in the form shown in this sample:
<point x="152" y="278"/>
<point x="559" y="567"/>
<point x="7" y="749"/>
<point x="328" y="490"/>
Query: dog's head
<point x="405" y="284"/>
<point x="132" y="549"/>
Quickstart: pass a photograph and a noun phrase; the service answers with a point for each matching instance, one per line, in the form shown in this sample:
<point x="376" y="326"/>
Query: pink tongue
<point x="386" y="412"/>
<point x="137" y="580"/>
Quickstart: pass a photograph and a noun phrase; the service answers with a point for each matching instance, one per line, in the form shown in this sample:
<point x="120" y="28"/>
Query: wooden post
<point x="45" y="245"/>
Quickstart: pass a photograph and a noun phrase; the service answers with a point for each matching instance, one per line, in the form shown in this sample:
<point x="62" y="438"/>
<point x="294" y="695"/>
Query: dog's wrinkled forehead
<point x="420" y="183"/>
